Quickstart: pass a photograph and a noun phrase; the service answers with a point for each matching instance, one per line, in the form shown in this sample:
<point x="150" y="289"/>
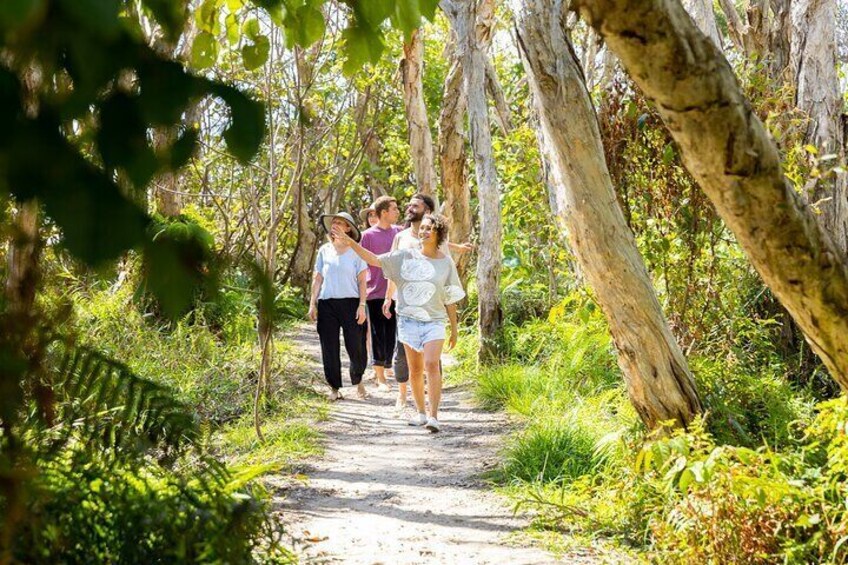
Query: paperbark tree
<point x="728" y="151"/>
<point x="420" y="138"/>
<point x="655" y="371"/>
<point x="813" y="65"/>
<point x="704" y="17"/>
<point x="462" y="16"/>
<point x="372" y="147"/>
<point x="453" y="162"/>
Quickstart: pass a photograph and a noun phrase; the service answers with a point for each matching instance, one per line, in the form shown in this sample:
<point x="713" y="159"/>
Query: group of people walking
<point x="397" y="285"/>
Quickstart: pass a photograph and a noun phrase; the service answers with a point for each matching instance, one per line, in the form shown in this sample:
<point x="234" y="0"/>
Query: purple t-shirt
<point x="378" y="241"/>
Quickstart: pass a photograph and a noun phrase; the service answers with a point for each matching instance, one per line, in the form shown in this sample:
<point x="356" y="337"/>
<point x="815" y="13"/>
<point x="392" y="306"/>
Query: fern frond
<point x="101" y="403"/>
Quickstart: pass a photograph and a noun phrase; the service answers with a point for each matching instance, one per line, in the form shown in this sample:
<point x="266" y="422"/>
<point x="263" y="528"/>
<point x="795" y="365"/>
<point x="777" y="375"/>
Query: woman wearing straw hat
<point x="428" y="290"/>
<point x="338" y="301"/>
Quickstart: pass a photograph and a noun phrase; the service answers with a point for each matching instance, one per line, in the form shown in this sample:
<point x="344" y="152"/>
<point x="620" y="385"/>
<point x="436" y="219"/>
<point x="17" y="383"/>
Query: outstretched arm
<point x="366" y="255"/>
<point x="460" y="247"/>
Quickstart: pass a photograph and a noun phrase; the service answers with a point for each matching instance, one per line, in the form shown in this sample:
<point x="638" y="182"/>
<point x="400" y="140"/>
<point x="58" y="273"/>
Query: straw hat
<point x="326" y="220"/>
<point x="363" y="214"/>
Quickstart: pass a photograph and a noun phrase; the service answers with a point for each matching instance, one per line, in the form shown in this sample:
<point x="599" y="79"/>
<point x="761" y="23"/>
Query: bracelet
<point x="362" y="305"/>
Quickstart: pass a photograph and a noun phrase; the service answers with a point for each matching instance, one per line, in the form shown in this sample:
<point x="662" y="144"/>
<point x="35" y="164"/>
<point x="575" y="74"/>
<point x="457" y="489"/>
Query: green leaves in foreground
<point x="303" y="23"/>
<point x="68" y="135"/>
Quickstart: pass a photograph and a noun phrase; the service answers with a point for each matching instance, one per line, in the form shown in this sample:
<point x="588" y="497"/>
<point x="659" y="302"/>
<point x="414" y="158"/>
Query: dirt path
<point x="386" y="492"/>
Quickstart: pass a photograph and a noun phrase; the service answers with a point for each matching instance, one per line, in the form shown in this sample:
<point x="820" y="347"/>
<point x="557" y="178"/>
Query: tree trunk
<point x="728" y="151"/>
<point x="372" y="147"/>
<point x="704" y="17"/>
<point x="462" y="16"/>
<point x="452" y="156"/>
<point x="420" y="138"/>
<point x="656" y="373"/>
<point x="22" y="261"/>
<point x="167" y="196"/>
<point x="813" y="64"/>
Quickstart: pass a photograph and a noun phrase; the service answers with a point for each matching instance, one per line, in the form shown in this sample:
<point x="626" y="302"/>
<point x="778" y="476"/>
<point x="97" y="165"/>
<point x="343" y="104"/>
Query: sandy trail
<point x="387" y="492"/>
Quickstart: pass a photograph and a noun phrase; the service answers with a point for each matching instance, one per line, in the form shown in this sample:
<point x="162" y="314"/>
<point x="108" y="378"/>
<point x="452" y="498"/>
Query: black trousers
<point x="383" y="331"/>
<point x="335" y="314"/>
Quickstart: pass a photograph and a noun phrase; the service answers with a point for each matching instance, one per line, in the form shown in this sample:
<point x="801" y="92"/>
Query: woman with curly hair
<point x="428" y="289"/>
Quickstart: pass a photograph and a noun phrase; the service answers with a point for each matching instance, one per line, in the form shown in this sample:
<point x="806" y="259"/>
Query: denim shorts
<point x="416" y="333"/>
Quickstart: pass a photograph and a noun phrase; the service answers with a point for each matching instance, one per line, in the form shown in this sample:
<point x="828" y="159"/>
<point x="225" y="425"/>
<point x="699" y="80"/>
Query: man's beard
<point x="413" y="217"/>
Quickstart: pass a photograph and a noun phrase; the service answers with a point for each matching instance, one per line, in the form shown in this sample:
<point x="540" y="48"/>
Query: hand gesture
<point x="340" y="235"/>
<point x="466" y="247"/>
<point x="313" y="313"/>
<point x="387" y="308"/>
<point x="360" y="315"/>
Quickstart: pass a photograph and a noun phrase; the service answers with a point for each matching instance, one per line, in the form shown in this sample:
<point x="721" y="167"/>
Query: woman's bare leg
<point x="431" y="356"/>
<point x="415" y="361"/>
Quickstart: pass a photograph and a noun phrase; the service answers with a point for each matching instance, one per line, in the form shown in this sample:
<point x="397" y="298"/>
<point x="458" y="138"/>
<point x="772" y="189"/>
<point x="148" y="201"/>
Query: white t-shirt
<point x="406" y="240"/>
<point x="426" y="285"/>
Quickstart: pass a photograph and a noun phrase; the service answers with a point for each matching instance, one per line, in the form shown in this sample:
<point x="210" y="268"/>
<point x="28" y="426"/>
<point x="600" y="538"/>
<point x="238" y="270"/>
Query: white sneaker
<point x="335" y="395"/>
<point x="384" y="387"/>
<point x="400" y="403"/>
<point x="433" y="425"/>
<point x="418" y="420"/>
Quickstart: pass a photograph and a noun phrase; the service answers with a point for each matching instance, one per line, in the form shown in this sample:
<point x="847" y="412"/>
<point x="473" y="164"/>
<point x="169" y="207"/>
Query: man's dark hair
<point x="427" y="200"/>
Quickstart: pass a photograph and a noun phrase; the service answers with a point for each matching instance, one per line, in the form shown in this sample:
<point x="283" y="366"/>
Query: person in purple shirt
<point x="378" y="239"/>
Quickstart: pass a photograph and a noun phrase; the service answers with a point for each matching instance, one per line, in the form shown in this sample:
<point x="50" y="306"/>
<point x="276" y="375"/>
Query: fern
<point x="102" y="404"/>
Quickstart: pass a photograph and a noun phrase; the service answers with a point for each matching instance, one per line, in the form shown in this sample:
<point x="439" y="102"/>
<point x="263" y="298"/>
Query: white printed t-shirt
<point x="425" y="286"/>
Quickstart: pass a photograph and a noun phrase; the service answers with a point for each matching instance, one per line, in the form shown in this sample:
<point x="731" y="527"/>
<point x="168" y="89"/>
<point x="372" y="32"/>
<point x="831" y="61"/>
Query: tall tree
<point x="704" y="17"/>
<point x="452" y="156"/>
<point x="418" y="124"/>
<point x="462" y="16"/>
<point x="813" y="65"/>
<point x="656" y="373"/>
<point x="728" y="151"/>
<point x="371" y="145"/>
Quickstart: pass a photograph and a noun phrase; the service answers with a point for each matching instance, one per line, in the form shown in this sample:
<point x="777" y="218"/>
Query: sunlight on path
<point x="386" y="492"/>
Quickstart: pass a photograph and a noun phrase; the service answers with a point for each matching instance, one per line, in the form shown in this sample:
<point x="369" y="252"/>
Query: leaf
<point x="640" y="121"/>
<point x="233" y="29"/>
<point x="20" y="13"/>
<point x="668" y="153"/>
<point x="254" y="55"/>
<point x="98" y="17"/>
<point x="204" y="51"/>
<point x="686" y="479"/>
<point x="407" y="16"/>
<point x="305" y="26"/>
<point x="428" y="8"/>
<point x="251" y="28"/>
<point x="247" y="122"/>
<point x="169" y="14"/>
<point x="207" y="17"/>
<point x="374" y="12"/>
<point x="811" y="149"/>
<point x="361" y="46"/>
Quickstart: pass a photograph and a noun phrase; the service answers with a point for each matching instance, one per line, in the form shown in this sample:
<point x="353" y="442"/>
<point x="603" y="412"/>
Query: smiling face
<point x="415" y="210"/>
<point x="426" y="231"/>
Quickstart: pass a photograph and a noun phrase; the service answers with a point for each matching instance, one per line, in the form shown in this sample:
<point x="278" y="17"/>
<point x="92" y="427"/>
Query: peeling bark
<point x="462" y="16"/>
<point x="420" y="138"/>
<point x="453" y="163"/>
<point x="813" y="64"/>
<point x="704" y="17"/>
<point x="655" y="371"/>
<point x="728" y="151"/>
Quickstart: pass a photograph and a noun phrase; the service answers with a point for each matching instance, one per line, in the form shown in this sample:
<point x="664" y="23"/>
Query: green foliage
<point x="179" y="264"/>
